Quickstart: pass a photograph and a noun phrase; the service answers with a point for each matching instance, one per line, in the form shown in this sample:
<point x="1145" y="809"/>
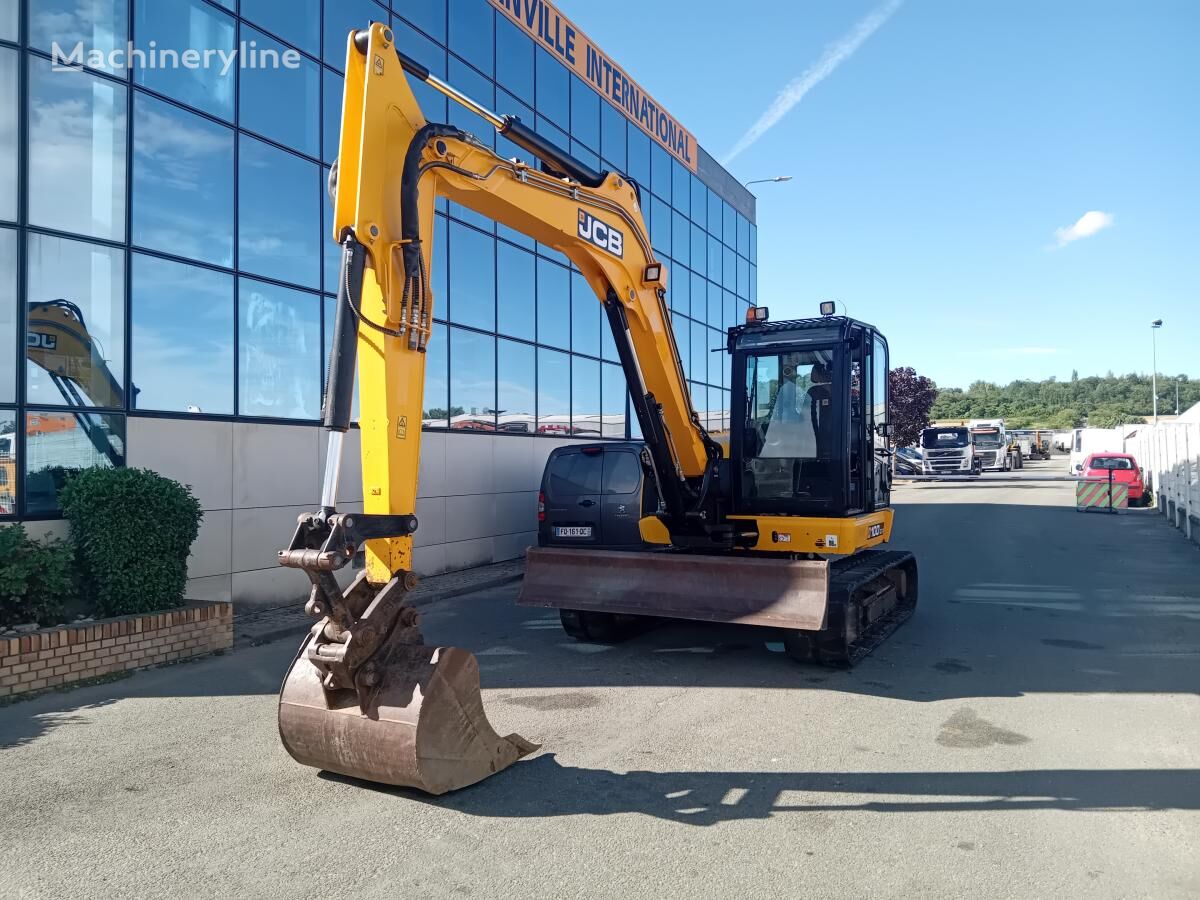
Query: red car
<point x="1124" y="469"/>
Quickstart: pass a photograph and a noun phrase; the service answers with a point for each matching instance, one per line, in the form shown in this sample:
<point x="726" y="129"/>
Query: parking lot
<point x="1033" y="730"/>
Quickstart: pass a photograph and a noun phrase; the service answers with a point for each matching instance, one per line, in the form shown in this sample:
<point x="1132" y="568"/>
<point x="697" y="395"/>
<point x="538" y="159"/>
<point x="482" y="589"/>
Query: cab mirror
<point x="886" y="429"/>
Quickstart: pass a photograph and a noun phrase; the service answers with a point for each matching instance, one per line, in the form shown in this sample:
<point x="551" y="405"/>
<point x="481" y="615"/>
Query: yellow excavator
<point x="781" y="529"/>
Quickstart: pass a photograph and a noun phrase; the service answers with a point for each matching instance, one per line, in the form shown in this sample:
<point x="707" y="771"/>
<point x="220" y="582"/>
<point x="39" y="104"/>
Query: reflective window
<point x="76" y="323"/>
<point x="699" y="291"/>
<point x="729" y="311"/>
<point x="472" y="380"/>
<point x="753" y="243"/>
<point x="729" y="269"/>
<point x="56" y="442"/>
<point x="660" y="225"/>
<point x="279" y="351"/>
<point x="585" y="317"/>
<point x="715" y="213"/>
<point x="552" y="133"/>
<point x="585" y="397"/>
<point x="190" y="25"/>
<point x="612" y="135"/>
<point x="96" y="26"/>
<point x="553" y="305"/>
<point x="343" y="17"/>
<point x="437" y="379"/>
<point x="743" y="277"/>
<point x="681" y="245"/>
<point x="612" y="401"/>
<point x="681" y="193"/>
<point x="514" y="59"/>
<point x="585" y="113"/>
<point x="608" y="347"/>
<point x="554" y="392"/>
<point x="515" y="291"/>
<point x="439" y="275"/>
<point x="660" y="171"/>
<point x="753" y="284"/>
<point x="679" y="290"/>
<point x="8" y="315"/>
<point x="279" y="214"/>
<point x="516" y="397"/>
<point x="428" y="15"/>
<point x="553" y="89"/>
<point x="638" y="167"/>
<point x="332" y="87"/>
<point x="699" y="367"/>
<point x="699" y="397"/>
<point x="474" y="85"/>
<point x="714" y="315"/>
<point x="699" y="211"/>
<point x="714" y="258"/>
<point x="471" y="32"/>
<point x="182" y="182"/>
<point x="8" y="134"/>
<point x="683" y="340"/>
<point x="743" y="235"/>
<point x="181" y="347"/>
<point x="717" y="363"/>
<point x="298" y="21"/>
<point x="76" y="152"/>
<point x="8" y="463"/>
<point x="281" y="103"/>
<point x="699" y="254"/>
<point x="10" y="20"/>
<point x="729" y="231"/>
<point x="583" y="154"/>
<point x="472" y="278"/>
<point x="331" y="253"/>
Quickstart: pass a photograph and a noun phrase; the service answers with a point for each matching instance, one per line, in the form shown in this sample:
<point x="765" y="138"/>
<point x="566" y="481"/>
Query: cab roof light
<point x="757" y="314"/>
<point x="653" y="273"/>
<point x="828" y="307"/>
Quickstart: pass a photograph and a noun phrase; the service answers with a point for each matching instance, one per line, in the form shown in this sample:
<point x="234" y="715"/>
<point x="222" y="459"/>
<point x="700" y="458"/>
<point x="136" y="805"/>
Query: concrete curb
<point x="421" y="599"/>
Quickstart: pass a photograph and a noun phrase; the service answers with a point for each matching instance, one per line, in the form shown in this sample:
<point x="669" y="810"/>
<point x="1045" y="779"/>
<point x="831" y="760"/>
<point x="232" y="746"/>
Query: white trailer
<point x="1086" y="441"/>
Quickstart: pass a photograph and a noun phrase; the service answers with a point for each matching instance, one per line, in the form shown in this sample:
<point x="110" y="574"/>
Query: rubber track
<point x="848" y="576"/>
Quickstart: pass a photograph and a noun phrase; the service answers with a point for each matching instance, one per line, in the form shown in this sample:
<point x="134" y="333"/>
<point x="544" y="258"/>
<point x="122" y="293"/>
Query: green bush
<point x="134" y="530"/>
<point x="36" y="579"/>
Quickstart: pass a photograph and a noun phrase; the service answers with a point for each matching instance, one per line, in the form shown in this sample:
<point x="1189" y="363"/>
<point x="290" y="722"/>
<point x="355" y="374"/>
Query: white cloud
<point x="1089" y="223"/>
<point x="1031" y="351"/>
<point x="793" y="92"/>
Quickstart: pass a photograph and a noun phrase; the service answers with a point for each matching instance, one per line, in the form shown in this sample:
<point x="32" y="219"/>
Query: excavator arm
<point x="365" y="654"/>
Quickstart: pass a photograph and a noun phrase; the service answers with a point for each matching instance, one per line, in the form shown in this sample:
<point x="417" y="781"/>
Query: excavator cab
<point x="810" y="416"/>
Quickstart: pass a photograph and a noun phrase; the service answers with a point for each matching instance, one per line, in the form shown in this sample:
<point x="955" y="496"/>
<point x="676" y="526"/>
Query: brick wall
<point x="56" y="656"/>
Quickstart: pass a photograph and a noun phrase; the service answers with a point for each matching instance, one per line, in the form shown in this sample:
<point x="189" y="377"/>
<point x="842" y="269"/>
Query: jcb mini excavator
<point x="782" y="530"/>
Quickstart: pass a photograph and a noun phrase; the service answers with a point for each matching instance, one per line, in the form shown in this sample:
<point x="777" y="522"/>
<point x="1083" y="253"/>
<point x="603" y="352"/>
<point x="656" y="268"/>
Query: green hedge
<point x="134" y="530"/>
<point x="36" y="579"/>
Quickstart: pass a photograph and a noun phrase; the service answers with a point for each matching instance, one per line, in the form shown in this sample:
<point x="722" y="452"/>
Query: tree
<point x="912" y="397"/>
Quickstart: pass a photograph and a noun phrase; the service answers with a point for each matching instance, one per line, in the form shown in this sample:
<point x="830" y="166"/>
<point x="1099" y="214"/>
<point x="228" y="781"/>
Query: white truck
<point x="947" y="450"/>
<point x="991" y="444"/>
<point x="1086" y="441"/>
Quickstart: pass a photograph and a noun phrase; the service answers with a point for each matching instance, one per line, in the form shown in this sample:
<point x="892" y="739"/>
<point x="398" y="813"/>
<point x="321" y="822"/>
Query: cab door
<point x="878" y="440"/>
<point x="572" y="492"/>
<point x="622" y="498"/>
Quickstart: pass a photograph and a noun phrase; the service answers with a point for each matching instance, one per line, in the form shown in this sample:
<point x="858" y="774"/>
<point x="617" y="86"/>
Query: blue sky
<point x="934" y="166"/>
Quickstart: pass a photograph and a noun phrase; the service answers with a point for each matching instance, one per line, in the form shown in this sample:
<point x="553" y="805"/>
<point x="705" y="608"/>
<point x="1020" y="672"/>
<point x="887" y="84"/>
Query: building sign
<point x="559" y="35"/>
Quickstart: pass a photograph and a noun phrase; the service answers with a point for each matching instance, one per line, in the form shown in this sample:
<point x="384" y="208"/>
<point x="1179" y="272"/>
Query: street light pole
<point x="1154" y="326"/>
<point x="765" y="180"/>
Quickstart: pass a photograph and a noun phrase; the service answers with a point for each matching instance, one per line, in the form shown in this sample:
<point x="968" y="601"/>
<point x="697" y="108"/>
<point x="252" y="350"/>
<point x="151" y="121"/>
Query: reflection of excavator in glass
<point x="58" y="341"/>
<point x="757" y="535"/>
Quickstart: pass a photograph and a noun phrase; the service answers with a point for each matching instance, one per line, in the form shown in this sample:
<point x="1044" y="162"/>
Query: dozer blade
<point x="749" y="590"/>
<point x="424" y="726"/>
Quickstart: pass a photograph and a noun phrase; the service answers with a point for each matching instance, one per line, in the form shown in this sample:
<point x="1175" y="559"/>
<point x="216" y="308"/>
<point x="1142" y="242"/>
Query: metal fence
<point x="1170" y="454"/>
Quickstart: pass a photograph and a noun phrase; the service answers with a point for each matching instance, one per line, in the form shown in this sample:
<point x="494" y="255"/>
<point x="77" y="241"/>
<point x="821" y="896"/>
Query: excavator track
<point x="871" y="594"/>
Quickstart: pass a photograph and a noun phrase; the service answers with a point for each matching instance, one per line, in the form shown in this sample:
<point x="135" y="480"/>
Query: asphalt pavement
<point x="1033" y="731"/>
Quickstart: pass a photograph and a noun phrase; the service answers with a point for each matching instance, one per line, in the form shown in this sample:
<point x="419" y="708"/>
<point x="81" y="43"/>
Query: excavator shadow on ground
<point x="542" y="787"/>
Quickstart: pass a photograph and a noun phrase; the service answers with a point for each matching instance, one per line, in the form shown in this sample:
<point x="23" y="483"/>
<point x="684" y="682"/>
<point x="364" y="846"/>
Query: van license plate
<point x="573" y="531"/>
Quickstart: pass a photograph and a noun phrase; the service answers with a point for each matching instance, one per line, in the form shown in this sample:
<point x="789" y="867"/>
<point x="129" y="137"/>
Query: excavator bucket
<point x="423" y="725"/>
<point x="748" y="590"/>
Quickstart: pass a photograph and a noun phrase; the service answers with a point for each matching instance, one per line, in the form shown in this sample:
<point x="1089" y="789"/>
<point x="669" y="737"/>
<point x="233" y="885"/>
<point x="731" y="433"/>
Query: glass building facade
<point x="178" y="217"/>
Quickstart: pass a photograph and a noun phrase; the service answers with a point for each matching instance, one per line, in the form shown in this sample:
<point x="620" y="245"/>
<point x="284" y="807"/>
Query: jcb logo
<point x="874" y="531"/>
<point x="40" y="341"/>
<point x="603" y="236"/>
